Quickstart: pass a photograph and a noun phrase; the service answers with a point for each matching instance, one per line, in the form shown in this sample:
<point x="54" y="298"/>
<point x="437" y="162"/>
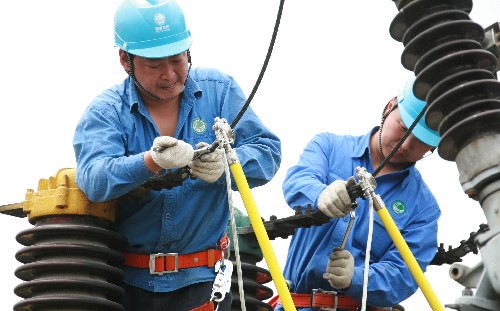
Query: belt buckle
<point x="321" y="291"/>
<point x="152" y="263"/>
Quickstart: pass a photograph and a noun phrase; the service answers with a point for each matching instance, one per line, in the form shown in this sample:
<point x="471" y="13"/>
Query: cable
<point x="264" y="66"/>
<point x="401" y="141"/>
<point x="228" y="178"/>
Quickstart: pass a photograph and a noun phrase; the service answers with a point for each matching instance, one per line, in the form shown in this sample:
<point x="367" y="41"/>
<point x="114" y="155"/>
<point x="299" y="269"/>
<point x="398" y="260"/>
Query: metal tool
<point x="355" y="191"/>
<point x="208" y="149"/>
<point x="197" y="153"/>
<point x="175" y="177"/>
<point x="347" y="232"/>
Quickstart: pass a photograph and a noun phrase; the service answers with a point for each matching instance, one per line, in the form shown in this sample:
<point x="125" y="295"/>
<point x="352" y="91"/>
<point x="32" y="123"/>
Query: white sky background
<point x="333" y="68"/>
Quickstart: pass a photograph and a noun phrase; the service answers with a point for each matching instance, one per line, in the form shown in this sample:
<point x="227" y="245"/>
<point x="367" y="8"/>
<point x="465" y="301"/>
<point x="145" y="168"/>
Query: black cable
<point x="401" y="141"/>
<point x="264" y="66"/>
<point x="176" y="177"/>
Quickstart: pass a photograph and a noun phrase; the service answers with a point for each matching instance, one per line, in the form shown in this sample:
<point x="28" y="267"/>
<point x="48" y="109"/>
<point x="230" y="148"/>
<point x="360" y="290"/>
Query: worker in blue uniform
<point x="318" y="275"/>
<point x="154" y="121"/>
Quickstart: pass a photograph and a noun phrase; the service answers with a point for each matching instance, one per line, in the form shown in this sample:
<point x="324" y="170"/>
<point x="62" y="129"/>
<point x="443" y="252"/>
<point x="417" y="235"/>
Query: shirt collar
<point x="135" y="99"/>
<point x="363" y="147"/>
<point x="192" y="90"/>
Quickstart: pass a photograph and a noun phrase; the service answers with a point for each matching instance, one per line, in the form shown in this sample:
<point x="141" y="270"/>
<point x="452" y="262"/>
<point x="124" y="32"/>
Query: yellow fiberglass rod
<point x="368" y="183"/>
<point x="409" y="259"/>
<point x="262" y="237"/>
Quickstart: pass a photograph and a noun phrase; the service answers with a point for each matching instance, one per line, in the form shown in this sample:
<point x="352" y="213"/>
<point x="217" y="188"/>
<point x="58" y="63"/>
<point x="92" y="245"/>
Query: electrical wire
<point x="228" y="178"/>
<point x="264" y="66"/>
<point x="401" y="141"/>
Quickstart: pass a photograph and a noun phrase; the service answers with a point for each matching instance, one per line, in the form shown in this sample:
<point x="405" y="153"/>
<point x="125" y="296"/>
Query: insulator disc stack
<point x="69" y="264"/>
<point x="455" y="75"/>
<point x="253" y="279"/>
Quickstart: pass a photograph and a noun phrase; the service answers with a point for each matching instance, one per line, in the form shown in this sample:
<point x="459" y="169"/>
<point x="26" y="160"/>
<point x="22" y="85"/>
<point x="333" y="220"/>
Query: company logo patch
<point x="398" y="207"/>
<point x="160" y="21"/>
<point x="199" y="126"/>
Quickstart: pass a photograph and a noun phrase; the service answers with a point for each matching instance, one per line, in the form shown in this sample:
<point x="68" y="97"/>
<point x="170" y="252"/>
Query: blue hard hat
<point x="410" y="107"/>
<point x="151" y="28"/>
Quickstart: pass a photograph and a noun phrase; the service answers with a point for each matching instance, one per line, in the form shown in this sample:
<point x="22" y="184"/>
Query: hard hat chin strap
<point x="384" y="116"/>
<point x="387" y="159"/>
<point x="139" y="85"/>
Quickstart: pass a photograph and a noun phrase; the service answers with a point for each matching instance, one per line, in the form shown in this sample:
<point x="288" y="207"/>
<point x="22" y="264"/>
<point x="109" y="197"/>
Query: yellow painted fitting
<point x="59" y="195"/>
<point x="262" y="237"/>
<point x="409" y="259"/>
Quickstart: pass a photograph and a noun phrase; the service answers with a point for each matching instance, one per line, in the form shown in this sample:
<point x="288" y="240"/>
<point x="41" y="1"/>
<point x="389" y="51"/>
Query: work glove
<point x="208" y="166"/>
<point x="340" y="269"/>
<point x="334" y="201"/>
<point x="169" y="152"/>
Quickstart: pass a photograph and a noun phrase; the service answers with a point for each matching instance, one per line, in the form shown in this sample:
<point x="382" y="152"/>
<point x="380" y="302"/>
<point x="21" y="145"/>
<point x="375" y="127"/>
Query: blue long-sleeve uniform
<point x="329" y="157"/>
<point x="110" y="141"/>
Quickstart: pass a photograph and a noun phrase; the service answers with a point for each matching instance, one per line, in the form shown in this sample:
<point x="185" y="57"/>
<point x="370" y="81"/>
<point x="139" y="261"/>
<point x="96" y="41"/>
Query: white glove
<point x="334" y="201"/>
<point x="340" y="269"/>
<point x="209" y="166"/>
<point x="169" y="152"/>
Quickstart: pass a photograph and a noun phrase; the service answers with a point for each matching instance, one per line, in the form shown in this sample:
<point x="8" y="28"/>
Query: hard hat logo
<point x="160" y="20"/>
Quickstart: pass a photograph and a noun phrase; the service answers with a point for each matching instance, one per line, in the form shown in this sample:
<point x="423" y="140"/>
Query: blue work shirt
<point x="329" y="157"/>
<point x="110" y="141"/>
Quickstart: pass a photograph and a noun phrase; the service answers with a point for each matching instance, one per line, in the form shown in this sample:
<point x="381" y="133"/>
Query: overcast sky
<point x="333" y="68"/>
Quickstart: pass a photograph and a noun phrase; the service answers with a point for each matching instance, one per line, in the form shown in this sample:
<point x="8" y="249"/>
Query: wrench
<point x="347" y="232"/>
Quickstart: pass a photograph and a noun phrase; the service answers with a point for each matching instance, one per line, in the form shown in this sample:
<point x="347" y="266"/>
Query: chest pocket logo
<point x="398" y="207"/>
<point x="199" y="126"/>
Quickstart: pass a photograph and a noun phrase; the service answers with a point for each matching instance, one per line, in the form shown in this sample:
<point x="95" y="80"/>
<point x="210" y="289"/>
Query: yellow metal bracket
<point x="59" y="195"/>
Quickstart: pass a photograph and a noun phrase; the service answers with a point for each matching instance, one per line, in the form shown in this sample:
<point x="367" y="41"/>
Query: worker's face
<point x="164" y="77"/>
<point x="393" y="130"/>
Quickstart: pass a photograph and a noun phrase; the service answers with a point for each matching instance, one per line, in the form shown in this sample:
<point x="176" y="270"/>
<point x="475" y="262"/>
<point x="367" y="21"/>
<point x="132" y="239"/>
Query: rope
<point x="235" y="235"/>
<point x="226" y="166"/>
<point x="375" y="172"/>
<point x="367" y="258"/>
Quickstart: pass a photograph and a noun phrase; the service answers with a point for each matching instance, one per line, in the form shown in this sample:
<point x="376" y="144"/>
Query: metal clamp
<point x="152" y="263"/>
<point x="322" y="291"/>
<point x="222" y="282"/>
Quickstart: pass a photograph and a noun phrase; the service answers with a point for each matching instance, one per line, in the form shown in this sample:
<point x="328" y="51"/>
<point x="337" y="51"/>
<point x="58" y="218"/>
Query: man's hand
<point x="169" y="152"/>
<point x="209" y="166"/>
<point x="334" y="201"/>
<point x="340" y="269"/>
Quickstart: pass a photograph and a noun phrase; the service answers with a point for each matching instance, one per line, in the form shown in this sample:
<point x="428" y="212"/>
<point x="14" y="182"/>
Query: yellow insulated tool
<point x="225" y="137"/>
<point x="368" y="183"/>
<point x="262" y="237"/>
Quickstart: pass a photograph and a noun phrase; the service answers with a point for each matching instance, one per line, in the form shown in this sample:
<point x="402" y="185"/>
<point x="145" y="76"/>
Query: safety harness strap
<point x="324" y="300"/>
<point x="209" y="306"/>
<point x="171" y="262"/>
